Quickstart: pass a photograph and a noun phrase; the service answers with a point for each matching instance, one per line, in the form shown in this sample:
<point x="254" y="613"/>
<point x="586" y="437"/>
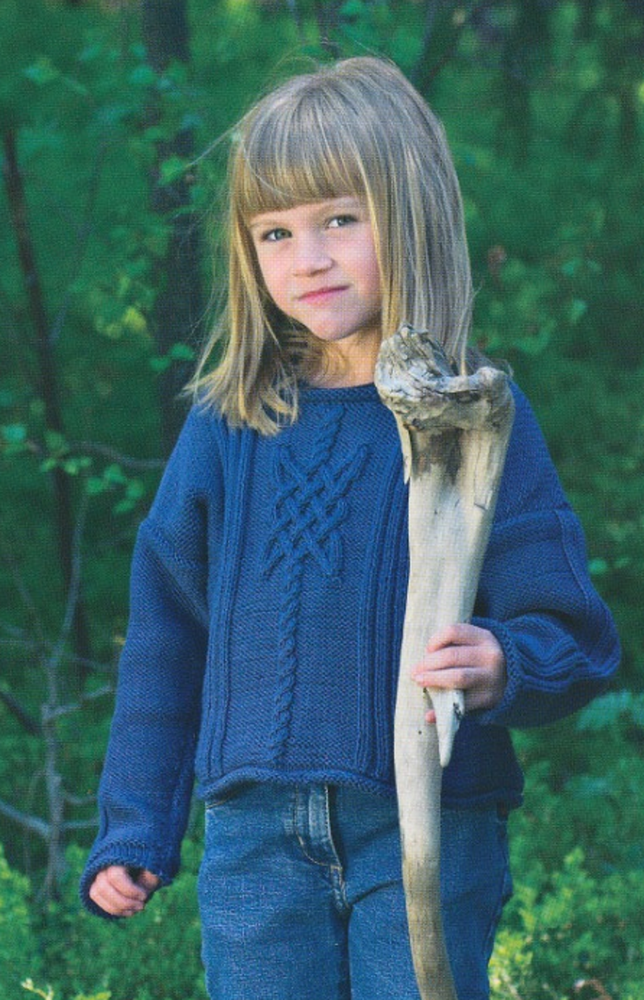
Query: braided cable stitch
<point x="310" y="505"/>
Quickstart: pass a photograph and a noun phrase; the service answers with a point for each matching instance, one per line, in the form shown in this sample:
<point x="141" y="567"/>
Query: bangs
<point x="298" y="151"/>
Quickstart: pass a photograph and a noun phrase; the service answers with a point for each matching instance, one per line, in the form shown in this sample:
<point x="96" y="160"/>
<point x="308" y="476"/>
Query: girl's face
<point x="318" y="261"/>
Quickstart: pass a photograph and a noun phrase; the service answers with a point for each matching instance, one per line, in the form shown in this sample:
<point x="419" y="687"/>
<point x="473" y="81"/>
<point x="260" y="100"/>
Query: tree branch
<point x="19" y="641"/>
<point x="294" y="11"/>
<point x="127" y="461"/>
<point x="326" y="16"/>
<point x="51" y="714"/>
<point x="78" y="801"/>
<point x="24" y="594"/>
<point x="73" y="595"/>
<point x="32" y="823"/>
<point x="422" y="75"/>
<point x="28" y="722"/>
<point x="80" y="824"/>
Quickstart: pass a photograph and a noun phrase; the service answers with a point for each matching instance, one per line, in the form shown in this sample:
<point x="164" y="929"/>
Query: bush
<point x="17" y="949"/>
<point x="577" y="859"/>
<point x="572" y="927"/>
<point x="47" y="993"/>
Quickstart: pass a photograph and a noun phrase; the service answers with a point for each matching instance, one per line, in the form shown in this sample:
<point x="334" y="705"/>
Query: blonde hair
<point x="355" y="128"/>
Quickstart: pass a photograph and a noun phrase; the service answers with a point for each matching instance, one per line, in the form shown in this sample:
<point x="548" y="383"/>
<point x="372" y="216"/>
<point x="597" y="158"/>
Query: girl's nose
<point x="310" y="256"/>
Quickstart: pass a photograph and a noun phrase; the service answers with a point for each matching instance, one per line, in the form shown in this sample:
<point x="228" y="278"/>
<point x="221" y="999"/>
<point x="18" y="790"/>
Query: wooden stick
<point x="454" y="430"/>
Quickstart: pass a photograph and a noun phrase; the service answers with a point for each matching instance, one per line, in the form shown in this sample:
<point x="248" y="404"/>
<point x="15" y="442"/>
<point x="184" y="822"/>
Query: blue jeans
<point x="301" y="897"/>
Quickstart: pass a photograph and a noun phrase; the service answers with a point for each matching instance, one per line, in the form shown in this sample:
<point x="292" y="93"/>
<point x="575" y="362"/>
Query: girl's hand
<point x="467" y="658"/>
<point x="122" y="891"/>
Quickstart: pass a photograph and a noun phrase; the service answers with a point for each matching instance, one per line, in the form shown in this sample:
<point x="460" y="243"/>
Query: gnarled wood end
<point x="425" y="390"/>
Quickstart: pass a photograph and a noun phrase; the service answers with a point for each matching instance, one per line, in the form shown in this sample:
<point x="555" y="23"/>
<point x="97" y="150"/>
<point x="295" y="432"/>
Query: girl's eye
<point x="275" y="235"/>
<point x="341" y="220"/>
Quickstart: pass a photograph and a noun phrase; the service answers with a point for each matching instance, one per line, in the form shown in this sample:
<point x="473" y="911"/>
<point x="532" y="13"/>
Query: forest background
<point x="108" y="115"/>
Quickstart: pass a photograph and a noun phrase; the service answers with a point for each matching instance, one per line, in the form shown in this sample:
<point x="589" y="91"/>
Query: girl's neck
<point x="341" y="369"/>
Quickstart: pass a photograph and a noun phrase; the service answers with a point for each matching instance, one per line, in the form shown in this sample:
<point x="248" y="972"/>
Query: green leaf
<point x="607" y="710"/>
<point x="55" y="442"/>
<point x="14" y="434"/>
<point x="135" y="490"/>
<point x="95" y="485"/>
<point x="73" y="466"/>
<point x="353" y="8"/>
<point x="578" y="308"/>
<point x="172" y="169"/>
<point x="143" y="76"/>
<point x="42" y="71"/>
<point x="123" y="507"/>
<point x="537" y="342"/>
<point x="160" y="364"/>
<point x="181" y="352"/>
<point x="571" y="267"/>
<point x="598" y="567"/>
<point x="178" y="352"/>
<point x="114" y="475"/>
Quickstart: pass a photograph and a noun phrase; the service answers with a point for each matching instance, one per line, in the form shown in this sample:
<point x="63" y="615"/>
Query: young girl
<point x="269" y="580"/>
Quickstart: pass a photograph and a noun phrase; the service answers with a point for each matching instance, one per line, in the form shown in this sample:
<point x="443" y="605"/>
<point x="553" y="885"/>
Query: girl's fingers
<point x="147" y="881"/>
<point x="457" y="666"/>
<point x="467" y="658"/>
<point x="448" y="678"/>
<point x="462" y="634"/>
<point x="119" y="894"/>
<point x="114" y="902"/>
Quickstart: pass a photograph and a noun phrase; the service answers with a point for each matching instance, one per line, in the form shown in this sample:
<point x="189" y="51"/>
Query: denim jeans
<point x="301" y="897"/>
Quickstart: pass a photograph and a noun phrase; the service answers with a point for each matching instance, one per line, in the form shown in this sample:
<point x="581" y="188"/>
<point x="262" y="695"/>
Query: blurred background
<point x="113" y="116"/>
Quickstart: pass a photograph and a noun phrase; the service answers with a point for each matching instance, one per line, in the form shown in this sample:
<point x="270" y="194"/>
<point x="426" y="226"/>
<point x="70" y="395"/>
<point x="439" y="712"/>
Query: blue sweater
<point x="267" y="601"/>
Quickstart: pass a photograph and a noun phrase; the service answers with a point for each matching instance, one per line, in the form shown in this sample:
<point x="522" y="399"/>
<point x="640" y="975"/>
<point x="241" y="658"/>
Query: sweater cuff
<point x="498" y="715"/>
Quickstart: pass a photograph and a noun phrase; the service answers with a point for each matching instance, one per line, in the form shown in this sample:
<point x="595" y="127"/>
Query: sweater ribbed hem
<point x="214" y="791"/>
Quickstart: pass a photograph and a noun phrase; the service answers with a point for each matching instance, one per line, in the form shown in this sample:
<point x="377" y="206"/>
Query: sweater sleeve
<point x="559" y="639"/>
<point x="146" y="785"/>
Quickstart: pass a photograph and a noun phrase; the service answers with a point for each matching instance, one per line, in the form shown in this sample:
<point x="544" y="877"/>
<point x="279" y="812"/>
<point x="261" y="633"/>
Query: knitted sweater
<point x="267" y="601"/>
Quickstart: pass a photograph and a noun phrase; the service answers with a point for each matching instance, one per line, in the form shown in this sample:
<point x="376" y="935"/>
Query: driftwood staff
<point x="454" y="430"/>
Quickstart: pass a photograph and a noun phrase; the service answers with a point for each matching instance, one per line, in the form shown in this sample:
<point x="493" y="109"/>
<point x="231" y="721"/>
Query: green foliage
<point x="572" y="926"/>
<point x="65" y="954"/>
<point x="577" y="858"/>
<point x="568" y="926"/>
<point x="47" y="993"/>
<point x="18" y="948"/>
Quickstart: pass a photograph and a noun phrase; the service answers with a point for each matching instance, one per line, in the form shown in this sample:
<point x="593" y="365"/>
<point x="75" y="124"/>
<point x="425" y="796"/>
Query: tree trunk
<point x="180" y="303"/>
<point x="63" y="498"/>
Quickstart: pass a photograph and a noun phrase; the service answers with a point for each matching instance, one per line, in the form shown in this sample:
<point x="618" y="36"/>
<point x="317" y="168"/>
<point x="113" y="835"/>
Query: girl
<point x="269" y="580"/>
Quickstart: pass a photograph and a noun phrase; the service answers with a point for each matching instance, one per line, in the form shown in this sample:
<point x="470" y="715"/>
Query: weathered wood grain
<point x="454" y="429"/>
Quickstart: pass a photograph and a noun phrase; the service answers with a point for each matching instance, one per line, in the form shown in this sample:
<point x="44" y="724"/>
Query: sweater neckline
<point x="351" y="393"/>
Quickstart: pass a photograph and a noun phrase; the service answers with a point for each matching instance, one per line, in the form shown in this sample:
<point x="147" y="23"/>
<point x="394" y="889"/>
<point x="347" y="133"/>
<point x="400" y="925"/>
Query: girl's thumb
<point x="147" y="880"/>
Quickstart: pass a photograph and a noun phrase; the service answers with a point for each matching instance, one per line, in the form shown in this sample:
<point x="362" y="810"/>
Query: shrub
<point x="17" y="949"/>
<point x="572" y="927"/>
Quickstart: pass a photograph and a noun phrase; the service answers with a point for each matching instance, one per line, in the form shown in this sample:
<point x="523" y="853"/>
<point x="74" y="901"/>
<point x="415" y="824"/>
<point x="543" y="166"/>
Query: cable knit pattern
<point x="287" y="662"/>
<point x="267" y="604"/>
<point x="310" y="500"/>
<point x="310" y="505"/>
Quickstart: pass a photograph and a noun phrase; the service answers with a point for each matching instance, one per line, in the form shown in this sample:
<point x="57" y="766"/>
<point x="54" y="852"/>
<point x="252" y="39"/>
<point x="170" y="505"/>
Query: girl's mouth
<point x="322" y="294"/>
